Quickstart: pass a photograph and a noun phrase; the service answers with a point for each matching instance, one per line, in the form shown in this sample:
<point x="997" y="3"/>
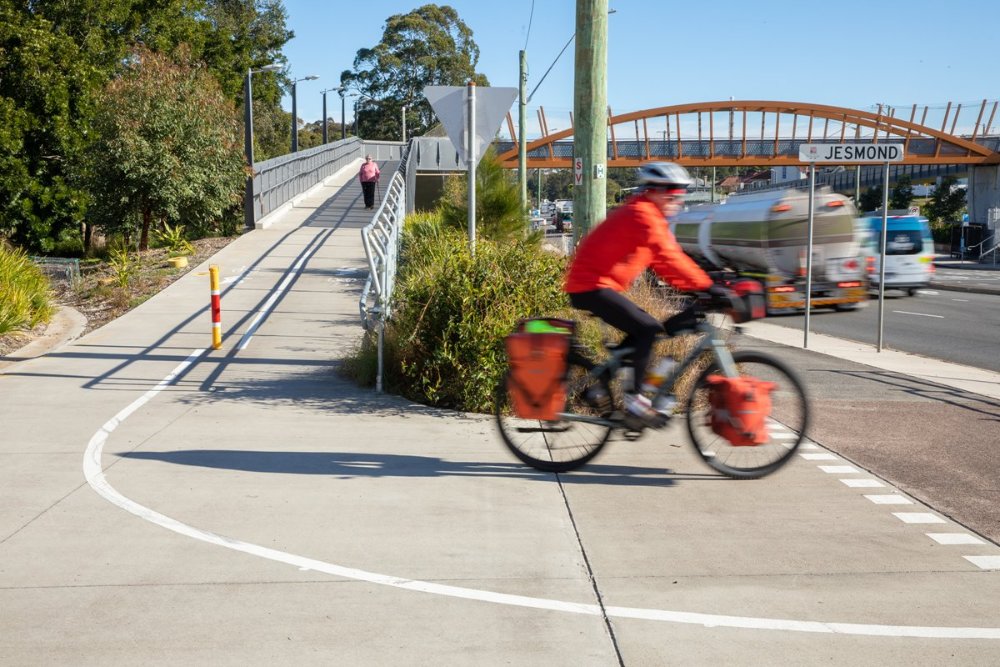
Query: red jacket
<point x="634" y="237"/>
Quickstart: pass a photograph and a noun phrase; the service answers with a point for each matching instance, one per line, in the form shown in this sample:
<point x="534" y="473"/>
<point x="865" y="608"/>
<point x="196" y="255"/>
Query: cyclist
<point x="634" y="237"/>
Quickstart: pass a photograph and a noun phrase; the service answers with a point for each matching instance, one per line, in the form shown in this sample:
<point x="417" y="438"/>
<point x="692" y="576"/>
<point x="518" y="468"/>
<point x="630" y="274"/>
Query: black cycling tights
<point x="640" y="327"/>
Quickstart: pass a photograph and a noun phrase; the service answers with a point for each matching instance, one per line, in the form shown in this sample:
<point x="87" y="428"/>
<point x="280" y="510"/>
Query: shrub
<point x="24" y="292"/>
<point x="444" y="344"/>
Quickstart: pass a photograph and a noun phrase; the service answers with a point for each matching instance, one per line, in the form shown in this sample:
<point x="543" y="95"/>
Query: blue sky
<point x="849" y="53"/>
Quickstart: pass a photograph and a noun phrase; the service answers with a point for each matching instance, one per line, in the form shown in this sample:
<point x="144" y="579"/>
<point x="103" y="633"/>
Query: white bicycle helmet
<point x="666" y="175"/>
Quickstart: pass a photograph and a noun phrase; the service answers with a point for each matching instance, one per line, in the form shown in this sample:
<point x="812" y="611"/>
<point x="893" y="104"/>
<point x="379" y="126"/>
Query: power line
<point x="530" y="17"/>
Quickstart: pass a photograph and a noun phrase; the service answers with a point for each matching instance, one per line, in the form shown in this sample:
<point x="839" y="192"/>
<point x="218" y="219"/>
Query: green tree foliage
<point x="871" y="199"/>
<point x="56" y="58"/>
<point x="430" y="45"/>
<point x="498" y="202"/>
<point x="168" y="148"/>
<point x="902" y="194"/>
<point x="946" y="203"/>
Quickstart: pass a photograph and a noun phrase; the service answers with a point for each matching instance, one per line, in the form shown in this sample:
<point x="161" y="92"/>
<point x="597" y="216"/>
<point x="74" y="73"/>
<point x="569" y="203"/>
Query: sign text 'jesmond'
<point x="851" y="152"/>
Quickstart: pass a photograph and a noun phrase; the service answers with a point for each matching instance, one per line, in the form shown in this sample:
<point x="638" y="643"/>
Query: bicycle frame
<point x="709" y="341"/>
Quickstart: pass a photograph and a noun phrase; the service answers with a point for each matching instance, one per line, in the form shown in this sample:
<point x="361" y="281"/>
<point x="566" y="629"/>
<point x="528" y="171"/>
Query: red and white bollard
<point x="213" y="275"/>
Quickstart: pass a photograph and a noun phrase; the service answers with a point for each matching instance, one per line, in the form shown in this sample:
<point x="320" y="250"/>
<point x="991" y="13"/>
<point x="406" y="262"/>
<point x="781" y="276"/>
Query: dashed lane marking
<point x="955" y="538"/>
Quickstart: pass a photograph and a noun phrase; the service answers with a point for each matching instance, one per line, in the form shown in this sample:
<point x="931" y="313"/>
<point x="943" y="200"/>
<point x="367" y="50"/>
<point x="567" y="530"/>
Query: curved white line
<point x="94" y="473"/>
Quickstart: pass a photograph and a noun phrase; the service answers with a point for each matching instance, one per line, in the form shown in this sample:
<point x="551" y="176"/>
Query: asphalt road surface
<point x="960" y="327"/>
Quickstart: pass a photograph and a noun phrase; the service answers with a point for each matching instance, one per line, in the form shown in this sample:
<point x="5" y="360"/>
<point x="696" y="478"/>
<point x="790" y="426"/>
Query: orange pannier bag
<point x="740" y="408"/>
<point x="536" y="354"/>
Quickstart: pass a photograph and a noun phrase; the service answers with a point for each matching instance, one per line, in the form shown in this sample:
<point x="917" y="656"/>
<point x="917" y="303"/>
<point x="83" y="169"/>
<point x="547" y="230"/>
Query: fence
<point x="59" y="269"/>
<point x="381" y="241"/>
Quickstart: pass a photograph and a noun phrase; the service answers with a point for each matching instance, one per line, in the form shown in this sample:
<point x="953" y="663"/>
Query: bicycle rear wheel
<point x="786" y="425"/>
<point x="567" y="443"/>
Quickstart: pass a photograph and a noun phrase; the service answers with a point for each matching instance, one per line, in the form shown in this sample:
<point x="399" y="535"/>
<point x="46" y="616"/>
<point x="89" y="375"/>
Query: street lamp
<point x="248" y="220"/>
<point x="358" y="96"/>
<point x="343" y="127"/>
<point x="324" y="92"/>
<point x="295" y="112"/>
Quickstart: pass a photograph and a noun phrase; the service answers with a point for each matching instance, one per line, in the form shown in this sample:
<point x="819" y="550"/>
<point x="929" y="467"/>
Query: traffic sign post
<point x="471" y="118"/>
<point x="854" y="154"/>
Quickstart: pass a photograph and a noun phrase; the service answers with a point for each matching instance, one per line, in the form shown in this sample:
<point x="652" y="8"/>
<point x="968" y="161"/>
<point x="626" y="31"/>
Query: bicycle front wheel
<point x="574" y="438"/>
<point x="786" y="426"/>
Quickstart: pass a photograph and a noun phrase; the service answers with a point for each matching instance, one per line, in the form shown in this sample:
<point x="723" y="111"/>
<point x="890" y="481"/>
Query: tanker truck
<point x="764" y="236"/>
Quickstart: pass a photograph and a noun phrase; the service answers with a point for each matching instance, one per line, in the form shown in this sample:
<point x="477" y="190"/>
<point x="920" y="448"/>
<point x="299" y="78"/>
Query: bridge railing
<point x="381" y="242"/>
<point x="281" y="179"/>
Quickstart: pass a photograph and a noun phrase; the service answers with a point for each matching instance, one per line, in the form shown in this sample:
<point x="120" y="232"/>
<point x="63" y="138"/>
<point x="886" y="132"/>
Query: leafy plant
<point x="24" y="291"/>
<point x="172" y="238"/>
<point x="122" y="265"/>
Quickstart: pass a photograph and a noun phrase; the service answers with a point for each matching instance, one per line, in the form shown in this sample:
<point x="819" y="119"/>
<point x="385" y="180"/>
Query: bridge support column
<point x="983" y="193"/>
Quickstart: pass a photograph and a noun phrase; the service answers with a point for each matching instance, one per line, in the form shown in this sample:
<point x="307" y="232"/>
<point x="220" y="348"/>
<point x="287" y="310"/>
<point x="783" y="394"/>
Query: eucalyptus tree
<point x="430" y="45"/>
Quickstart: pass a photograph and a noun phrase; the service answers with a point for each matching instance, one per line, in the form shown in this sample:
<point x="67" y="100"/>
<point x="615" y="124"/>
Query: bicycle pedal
<point x="632" y="436"/>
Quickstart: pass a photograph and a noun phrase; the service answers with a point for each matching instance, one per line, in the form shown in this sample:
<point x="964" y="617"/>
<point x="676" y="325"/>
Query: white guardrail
<point x="381" y="241"/>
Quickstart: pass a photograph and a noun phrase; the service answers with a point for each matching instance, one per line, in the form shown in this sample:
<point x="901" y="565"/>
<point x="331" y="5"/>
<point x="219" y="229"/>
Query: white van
<point x="909" y="251"/>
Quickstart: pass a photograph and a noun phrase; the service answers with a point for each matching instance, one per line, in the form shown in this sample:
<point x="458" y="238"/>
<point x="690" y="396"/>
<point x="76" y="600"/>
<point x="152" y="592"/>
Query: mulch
<point x="99" y="298"/>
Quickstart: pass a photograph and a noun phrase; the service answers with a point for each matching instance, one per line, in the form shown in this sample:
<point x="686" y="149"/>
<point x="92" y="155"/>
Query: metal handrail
<point x="380" y="238"/>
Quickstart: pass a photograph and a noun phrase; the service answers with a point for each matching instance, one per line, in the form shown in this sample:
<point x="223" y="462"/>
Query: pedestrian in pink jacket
<point x="369" y="177"/>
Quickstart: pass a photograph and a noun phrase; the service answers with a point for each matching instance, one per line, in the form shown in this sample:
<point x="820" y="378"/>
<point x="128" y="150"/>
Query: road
<point x="960" y="327"/>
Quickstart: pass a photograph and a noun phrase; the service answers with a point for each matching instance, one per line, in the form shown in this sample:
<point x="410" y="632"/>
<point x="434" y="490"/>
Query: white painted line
<point x="839" y="470"/>
<point x="890" y="499"/>
<point x="984" y="562"/>
<point x="820" y="456"/>
<point x="94" y="474"/>
<point x="275" y="295"/>
<point x="906" y="312"/>
<point x="955" y="538"/>
<point x="862" y="483"/>
<point x="918" y="517"/>
<point x="964" y="300"/>
<point x="808" y="445"/>
<point x="928" y="292"/>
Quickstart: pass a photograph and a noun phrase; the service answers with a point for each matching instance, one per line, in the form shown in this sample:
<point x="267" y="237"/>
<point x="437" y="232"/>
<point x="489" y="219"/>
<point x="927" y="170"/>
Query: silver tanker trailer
<point x="764" y="236"/>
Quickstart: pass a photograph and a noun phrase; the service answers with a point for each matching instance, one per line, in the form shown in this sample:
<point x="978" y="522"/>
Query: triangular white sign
<point x="452" y="108"/>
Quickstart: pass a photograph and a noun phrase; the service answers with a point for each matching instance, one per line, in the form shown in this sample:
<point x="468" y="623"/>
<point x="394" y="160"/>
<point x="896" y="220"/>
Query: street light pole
<point x="248" y="217"/>
<point x="295" y="112"/>
<point x="404" y="123"/>
<point x="343" y="128"/>
<point x="324" y="92"/>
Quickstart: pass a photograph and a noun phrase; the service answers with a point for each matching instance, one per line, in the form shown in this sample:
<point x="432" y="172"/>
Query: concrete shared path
<point x="163" y="503"/>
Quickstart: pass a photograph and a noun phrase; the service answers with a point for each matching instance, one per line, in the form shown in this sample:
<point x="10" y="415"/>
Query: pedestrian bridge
<point x="761" y="133"/>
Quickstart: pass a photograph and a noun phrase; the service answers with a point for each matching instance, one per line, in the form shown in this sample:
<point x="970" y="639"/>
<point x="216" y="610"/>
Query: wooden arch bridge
<point x="761" y="133"/>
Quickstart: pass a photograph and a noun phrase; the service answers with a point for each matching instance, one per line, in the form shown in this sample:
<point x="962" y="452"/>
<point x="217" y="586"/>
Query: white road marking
<point x="954" y="538"/>
<point x="838" y="470"/>
<point x="890" y="499"/>
<point x="275" y="295"/>
<point x="918" y="517"/>
<point x="822" y="456"/>
<point x="862" y="483"/>
<point x="984" y="562"/>
<point x="808" y="445"/>
<point x="906" y="312"/>
<point x="964" y="300"/>
<point x="94" y="474"/>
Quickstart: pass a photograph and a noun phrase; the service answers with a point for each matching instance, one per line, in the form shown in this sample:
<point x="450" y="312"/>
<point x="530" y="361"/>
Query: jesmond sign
<point x="851" y="153"/>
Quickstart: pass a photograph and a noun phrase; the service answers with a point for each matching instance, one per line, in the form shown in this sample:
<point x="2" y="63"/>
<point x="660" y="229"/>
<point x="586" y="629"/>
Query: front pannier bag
<point x="536" y="354"/>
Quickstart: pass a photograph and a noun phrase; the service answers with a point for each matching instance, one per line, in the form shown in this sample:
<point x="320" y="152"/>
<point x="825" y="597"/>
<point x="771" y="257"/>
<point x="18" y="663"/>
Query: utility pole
<point x="522" y="149"/>
<point x="590" y="106"/>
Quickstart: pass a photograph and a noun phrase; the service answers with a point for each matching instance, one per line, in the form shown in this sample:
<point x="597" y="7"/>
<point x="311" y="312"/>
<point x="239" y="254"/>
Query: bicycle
<point x="594" y="411"/>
